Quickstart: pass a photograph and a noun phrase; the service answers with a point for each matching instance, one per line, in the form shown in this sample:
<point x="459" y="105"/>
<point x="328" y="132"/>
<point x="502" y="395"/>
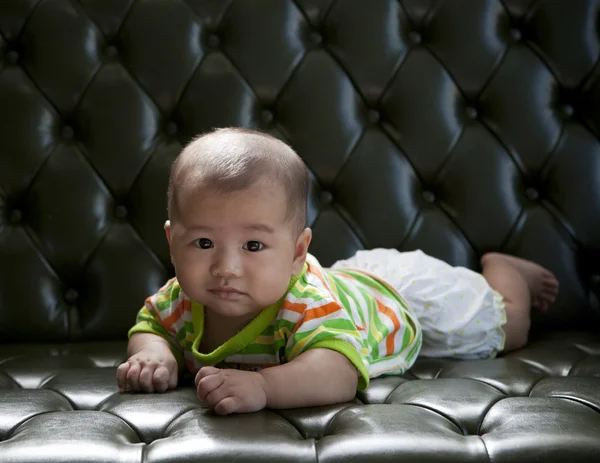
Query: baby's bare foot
<point x="543" y="285"/>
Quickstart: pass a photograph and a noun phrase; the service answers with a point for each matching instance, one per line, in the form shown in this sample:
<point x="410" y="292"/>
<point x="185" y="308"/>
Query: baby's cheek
<point x="275" y="284"/>
<point x="190" y="280"/>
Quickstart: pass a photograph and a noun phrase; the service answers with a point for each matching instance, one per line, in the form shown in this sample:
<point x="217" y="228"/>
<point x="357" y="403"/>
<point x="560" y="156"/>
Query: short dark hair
<point x="232" y="159"/>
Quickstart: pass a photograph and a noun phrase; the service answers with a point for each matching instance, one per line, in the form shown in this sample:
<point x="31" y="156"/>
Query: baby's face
<point x="235" y="252"/>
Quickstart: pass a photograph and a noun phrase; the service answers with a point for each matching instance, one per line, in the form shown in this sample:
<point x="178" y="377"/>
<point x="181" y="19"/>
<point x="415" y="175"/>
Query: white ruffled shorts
<point x="460" y="314"/>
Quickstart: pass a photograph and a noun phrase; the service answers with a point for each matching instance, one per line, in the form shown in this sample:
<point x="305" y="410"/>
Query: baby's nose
<point x="227" y="265"/>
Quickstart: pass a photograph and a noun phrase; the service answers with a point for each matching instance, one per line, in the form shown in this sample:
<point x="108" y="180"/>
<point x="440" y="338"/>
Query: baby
<point x="261" y="324"/>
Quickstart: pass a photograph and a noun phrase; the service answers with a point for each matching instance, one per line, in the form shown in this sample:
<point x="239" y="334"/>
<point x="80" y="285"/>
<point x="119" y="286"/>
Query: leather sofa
<point x="455" y="127"/>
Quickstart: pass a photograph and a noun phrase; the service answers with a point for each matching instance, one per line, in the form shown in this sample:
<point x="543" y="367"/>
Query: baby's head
<point x="237" y="212"/>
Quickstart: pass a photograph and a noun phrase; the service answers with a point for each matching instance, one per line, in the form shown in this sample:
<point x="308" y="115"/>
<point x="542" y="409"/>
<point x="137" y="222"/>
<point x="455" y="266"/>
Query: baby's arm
<point x="316" y="377"/>
<point x="151" y="365"/>
<point x="154" y="356"/>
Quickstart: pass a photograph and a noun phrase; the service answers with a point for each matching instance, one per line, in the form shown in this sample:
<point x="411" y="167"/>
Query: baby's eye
<point x="204" y="243"/>
<point x="253" y="246"/>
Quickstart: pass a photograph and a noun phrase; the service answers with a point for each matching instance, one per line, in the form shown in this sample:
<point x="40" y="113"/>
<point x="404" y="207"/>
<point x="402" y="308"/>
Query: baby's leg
<point x="524" y="286"/>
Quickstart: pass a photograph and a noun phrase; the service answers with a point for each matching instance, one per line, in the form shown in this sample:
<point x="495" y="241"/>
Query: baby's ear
<point x="302" y="244"/>
<point x="168" y="231"/>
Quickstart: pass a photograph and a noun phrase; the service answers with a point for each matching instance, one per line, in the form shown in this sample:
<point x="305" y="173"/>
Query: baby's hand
<point x="231" y="391"/>
<point x="152" y="369"/>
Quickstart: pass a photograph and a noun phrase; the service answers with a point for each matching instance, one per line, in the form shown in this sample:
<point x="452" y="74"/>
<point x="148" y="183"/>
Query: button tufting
<point x="15" y="216"/>
<point x="112" y="51"/>
<point x="373" y="116"/>
<point x="567" y="110"/>
<point x="71" y="295"/>
<point x="120" y="212"/>
<point x="12" y="56"/>
<point x="471" y="112"/>
<point x="171" y="128"/>
<point x="214" y="41"/>
<point x="516" y="34"/>
<point x="415" y="37"/>
<point x="67" y="132"/>
<point x="316" y="38"/>
<point x="267" y="116"/>
<point x="532" y="194"/>
<point x="326" y="197"/>
<point x="428" y="196"/>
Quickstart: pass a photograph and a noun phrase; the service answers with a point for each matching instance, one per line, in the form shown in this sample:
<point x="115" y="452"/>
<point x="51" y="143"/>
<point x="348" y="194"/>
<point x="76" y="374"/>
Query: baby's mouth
<point x="226" y="292"/>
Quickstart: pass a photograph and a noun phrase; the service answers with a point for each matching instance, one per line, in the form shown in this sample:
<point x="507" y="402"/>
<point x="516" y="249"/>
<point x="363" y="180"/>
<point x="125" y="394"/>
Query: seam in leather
<point x="576" y="400"/>
<point x="302" y="434"/>
<point x="9" y="434"/>
<point x="71" y="403"/>
<point x="133" y="428"/>
<point x="492" y="386"/>
<point x="575" y="364"/>
<point x="462" y="431"/>
<point x="486" y="411"/>
<point x="487" y="452"/>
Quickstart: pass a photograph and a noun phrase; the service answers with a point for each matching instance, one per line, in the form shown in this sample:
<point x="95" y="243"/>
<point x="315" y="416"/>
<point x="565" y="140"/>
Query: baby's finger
<point x="208" y="385"/>
<point x="133" y="377"/>
<point x="122" y="376"/>
<point x="227" y="405"/>
<point x="204" y="372"/>
<point x="212" y="399"/>
<point x="160" y="379"/>
<point x="146" y="378"/>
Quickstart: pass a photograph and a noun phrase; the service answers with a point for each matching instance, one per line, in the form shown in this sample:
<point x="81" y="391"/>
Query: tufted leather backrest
<point x="457" y="127"/>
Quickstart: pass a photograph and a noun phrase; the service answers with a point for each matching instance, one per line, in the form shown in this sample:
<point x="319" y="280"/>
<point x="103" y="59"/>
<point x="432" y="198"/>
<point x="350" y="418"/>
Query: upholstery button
<point x="171" y="128"/>
<point x="516" y="34"/>
<point x="428" y="196"/>
<point x="471" y="112"/>
<point x="532" y="194"/>
<point x="71" y="295"/>
<point x="316" y="38"/>
<point x="267" y="116"/>
<point x="567" y="110"/>
<point x="415" y="37"/>
<point x="15" y="216"/>
<point x="373" y="116"/>
<point x="67" y="132"/>
<point x="120" y="212"/>
<point x="12" y="57"/>
<point x="214" y="41"/>
<point x="326" y="197"/>
<point x="112" y="51"/>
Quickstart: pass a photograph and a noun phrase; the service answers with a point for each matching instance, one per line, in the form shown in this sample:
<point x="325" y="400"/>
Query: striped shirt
<point x="349" y="311"/>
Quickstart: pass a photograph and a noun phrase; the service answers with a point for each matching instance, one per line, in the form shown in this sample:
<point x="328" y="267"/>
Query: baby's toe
<point x="550" y="283"/>
<point x="548" y="297"/>
<point x="548" y="289"/>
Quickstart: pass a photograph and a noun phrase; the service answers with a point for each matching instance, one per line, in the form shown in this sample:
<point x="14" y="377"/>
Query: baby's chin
<point x="233" y="312"/>
<point x="237" y="315"/>
<point x="233" y="308"/>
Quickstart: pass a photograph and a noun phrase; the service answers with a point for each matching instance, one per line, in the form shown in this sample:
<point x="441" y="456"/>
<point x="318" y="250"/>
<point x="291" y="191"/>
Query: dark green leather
<point x="457" y="127"/>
